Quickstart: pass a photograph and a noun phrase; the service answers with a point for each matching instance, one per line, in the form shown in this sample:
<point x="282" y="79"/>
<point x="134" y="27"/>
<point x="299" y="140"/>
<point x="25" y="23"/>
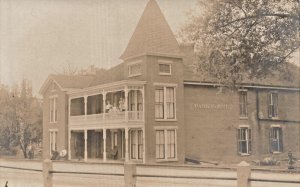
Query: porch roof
<point x="107" y="87"/>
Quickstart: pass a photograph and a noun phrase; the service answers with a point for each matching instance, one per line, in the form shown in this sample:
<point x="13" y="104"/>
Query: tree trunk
<point x="24" y="153"/>
<point x="23" y="148"/>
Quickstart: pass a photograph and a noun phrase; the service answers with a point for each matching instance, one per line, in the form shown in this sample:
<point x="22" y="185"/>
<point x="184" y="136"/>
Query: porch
<point x="115" y="102"/>
<point x="107" y="145"/>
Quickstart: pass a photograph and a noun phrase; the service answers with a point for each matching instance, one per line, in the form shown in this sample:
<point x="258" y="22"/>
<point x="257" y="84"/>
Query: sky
<point x="40" y="37"/>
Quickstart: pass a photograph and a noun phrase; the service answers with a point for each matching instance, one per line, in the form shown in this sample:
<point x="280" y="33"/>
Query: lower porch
<point x="107" y="145"/>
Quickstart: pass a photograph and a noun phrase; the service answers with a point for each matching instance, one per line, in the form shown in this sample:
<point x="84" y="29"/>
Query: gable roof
<point x="113" y="74"/>
<point x="73" y="81"/>
<point x="67" y="82"/>
<point x="152" y="35"/>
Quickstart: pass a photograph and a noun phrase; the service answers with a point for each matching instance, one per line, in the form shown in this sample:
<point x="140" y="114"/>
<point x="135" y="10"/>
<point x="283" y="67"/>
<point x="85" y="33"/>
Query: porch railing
<point x="95" y="117"/>
<point x="135" y="115"/>
<point x="110" y="116"/>
<point x="114" y="116"/>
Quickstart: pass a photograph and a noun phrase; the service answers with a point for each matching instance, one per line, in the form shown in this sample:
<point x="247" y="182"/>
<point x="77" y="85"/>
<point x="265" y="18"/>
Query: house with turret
<point x="153" y="108"/>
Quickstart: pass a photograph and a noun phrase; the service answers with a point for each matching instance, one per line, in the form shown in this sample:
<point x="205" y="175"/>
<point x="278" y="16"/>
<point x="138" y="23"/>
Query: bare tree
<point x="20" y="116"/>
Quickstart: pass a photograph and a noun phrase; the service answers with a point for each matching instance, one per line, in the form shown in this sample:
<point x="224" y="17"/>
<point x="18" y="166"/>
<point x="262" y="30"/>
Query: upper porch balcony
<point x="111" y="103"/>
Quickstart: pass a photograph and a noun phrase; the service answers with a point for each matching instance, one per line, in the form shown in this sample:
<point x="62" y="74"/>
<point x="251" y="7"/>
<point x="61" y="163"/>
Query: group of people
<point x="111" y="108"/>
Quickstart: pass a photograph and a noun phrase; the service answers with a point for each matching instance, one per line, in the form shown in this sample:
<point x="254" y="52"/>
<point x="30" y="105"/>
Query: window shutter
<point x="280" y="140"/>
<point x="250" y="141"/>
<point x="275" y="104"/>
<point x="237" y="141"/>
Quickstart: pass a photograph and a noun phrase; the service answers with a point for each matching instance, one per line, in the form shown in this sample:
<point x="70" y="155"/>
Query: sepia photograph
<point x="149" y="93"/>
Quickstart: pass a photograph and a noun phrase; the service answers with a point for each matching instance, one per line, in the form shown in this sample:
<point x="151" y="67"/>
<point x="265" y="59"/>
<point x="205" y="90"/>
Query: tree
<point x="244" y="39"/>
<point x="20" y="116"/>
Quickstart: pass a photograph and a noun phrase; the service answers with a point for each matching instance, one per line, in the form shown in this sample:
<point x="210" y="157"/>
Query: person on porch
<point x="63" y="153"/>
<point x="122" y="104"/>
<point x="108" y="107"/>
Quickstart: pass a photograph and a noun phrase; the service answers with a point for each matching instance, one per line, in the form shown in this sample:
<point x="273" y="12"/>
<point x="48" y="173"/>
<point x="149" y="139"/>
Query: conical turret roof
<point x="152" y="35"/>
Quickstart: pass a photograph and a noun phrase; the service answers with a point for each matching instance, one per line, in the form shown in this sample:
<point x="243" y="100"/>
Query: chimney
<point x="188" y="51"/>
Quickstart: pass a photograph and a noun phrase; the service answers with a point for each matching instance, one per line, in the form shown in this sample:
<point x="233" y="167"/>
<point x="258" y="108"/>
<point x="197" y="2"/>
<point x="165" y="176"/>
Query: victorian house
<point x="153" y="108"/>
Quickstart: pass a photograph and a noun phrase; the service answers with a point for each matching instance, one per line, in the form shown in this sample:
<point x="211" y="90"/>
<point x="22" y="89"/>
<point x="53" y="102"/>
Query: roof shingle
<point x="152" y="35"/>
<point x="73" y="81"/>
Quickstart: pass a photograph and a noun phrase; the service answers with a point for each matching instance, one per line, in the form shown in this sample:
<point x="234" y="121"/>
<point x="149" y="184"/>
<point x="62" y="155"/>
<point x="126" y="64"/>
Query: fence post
<point x="47" y="176"/>
<point x="243" y="174"/>
<point x="129" y="172"/>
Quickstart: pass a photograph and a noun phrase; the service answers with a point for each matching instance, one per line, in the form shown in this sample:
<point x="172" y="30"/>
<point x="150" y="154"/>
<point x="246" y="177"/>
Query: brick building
<point x="153" y="108"/>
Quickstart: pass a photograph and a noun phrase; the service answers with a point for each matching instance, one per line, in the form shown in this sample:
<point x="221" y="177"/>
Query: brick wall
<point x="60" y="125"/>
<point x="211" y="131"/>
<point x="152" y="77"/>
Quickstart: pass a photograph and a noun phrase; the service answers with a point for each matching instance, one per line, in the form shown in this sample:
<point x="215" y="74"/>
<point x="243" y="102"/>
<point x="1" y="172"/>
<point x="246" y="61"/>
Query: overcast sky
<point x="39" y="37"/>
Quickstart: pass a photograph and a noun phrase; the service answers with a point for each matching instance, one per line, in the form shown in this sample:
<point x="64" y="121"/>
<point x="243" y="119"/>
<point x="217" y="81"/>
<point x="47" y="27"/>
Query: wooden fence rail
<point x="130" y="174"/>
<point x="18" y="168"/>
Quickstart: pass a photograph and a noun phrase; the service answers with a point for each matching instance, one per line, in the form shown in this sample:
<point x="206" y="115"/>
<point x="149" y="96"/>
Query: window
<point x="164" y="69"/>
<point x="166" y="144"/>
<point x="77" y="106"/>
<point x="273" y="104"/>
<point x="94" y="104"/>
<point x="134" y="69"/>
<point x="160" y="144"/>
<point x="170" y="103"/>
<point x="243" y="104"/>
<point x="53" y="109"/>
<point x="276" y="139"/>
<point x="53" y="138"/>
<point x="165" y="103"/>
<point x="244" y="140"/>
<point x="159" y="103"/>
<point x="135" y="100"/>
<point x="136" y="138"/>
<point x="171" y="143"/>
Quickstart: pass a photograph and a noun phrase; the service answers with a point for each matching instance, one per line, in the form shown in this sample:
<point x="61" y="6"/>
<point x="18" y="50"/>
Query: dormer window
<point x="134" y="69"/>
<point x="165" y="68"/>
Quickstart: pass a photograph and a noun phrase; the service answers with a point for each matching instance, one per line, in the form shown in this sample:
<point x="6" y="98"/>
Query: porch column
<point x="85" y="145"/>
<point x="104" y="104"/>
<point x="136" y="104"/>
<point x="85" y="106"/>
<point x="126" y="145"/>
<point x="69" y="111"/>
<point x="122" y="144"/>
<point x="112" y="139"/>
<point x="143" y="95"/>
<point x="104" y="145"/>
<point x="144" y="146"/>
<point x="69" y="145"/>
<point x="165" y="103"/>
<point x="126" y="103"/>
<point x="166" y="141"/>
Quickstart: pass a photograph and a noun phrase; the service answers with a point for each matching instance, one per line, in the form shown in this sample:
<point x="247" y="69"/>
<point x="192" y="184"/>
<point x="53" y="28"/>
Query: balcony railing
<point x="135" y="115"/>
<point x="115" y="116"/>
